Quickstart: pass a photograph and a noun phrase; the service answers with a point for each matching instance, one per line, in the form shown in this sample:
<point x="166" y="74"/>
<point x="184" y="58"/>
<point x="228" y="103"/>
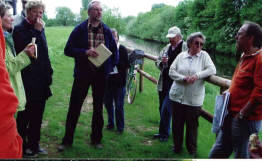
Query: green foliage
<point x="219" y="20"/>
<point x="113" y="19"/>
<point x="65" y="16"/>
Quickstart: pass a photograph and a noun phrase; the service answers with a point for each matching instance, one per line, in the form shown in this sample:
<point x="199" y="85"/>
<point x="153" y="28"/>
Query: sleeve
<point x="173" y="74"/>
<point x="158" y="62"/>
<point x="209" y="67"/>
<point x="256" y="94"/>
<point x="113" y="48"/>
<point x="16" y="64"/>
<point x="72" y="48"/>
<point x="123" y="58"/>
<point x="22" y="37"/>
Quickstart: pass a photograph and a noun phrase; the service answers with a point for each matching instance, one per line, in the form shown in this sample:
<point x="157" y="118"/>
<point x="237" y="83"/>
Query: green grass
<point x="141" y="118"/>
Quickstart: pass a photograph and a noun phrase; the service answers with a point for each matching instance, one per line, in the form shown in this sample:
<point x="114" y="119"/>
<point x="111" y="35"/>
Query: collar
<point x="177" y="44"/>
<point x="28" y="21"/>
<point x="187" y="55"/>
<point x="251" y="55"/>
<point x="90" y="26"/>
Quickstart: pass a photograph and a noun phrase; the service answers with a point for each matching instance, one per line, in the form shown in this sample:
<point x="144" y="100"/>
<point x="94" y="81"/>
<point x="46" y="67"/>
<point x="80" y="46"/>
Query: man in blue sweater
<point x="80" y="45"/>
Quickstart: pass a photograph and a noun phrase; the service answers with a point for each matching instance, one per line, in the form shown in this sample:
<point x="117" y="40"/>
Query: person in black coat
<point x="37" y="77"/>
<point x="115" y="89"/>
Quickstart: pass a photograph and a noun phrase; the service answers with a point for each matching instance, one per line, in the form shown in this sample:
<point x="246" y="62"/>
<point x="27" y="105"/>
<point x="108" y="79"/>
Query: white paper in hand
<point x="104" y="54"/>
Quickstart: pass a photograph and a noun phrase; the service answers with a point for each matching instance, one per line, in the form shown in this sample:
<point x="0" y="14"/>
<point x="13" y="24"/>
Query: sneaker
<point x="193" y="154"/>
<point x="156" y="136"/>
<point x="62" y="147"/>
<point x="176" y="150"/>
<point x="97" y="145"/>
<point x="163" y="139"/>
<point x="42" y="151"/>
<point x="110" y="127"/>
<point x="30" y="154"/>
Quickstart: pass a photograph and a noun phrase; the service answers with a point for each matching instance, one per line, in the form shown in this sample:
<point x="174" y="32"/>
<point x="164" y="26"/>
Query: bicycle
<point x="135" y="59"/>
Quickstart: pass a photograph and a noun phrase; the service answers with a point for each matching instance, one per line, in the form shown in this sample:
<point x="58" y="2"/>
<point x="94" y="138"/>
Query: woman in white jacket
<point x="187" y="93"/>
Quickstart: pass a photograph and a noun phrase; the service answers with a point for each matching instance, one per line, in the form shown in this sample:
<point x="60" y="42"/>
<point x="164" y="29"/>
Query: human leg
<point x="108" y="101"/>
<point x="36" y="109"/>
<point x="22" y="121"/>
<point x="119" y="110"/>
<point x="241" y="130"/>
<point x="165" y="119"/>
<point x="222" y="147"/>
<point x="178" y="121"/>
<point x="78" y="95"/>
<point x="192" y="114"/>
<point x="161" y="97"/>
<point x="98" y="88"/>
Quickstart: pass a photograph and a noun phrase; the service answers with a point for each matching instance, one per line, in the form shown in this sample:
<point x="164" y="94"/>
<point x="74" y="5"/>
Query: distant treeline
<point x="219" y="20"/>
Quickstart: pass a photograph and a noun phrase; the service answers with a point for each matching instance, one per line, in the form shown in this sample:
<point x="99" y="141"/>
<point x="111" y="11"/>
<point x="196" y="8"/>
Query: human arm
<point x="255" y="98"/>
<point x="158" y="62"/>
<point x="173" y="71"/>
<point x="208" y="67"/>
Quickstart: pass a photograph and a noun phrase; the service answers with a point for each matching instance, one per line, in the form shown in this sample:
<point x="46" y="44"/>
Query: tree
<point x="83" y="9"/>
<point x="65" y="16"/>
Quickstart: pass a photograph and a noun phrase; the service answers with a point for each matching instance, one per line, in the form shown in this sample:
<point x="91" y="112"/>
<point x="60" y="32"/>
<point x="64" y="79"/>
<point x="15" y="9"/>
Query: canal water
<point x="225" y="65"/>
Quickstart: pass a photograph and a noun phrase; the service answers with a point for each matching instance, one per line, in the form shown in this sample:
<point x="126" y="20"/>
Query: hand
<point x="30" y="50"/>
<point x="40" y="24"/>
<point x="164" y="60"/>
<point x="91" y="52"/>
<point x="191" y="79"/>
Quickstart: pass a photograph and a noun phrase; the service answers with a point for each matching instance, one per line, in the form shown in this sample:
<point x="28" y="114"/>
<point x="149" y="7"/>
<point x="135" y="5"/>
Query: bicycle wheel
<point x="131" y="90"/>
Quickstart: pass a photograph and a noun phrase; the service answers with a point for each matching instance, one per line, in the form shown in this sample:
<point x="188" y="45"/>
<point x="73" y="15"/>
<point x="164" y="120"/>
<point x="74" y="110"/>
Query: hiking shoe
<point x="156" y="136"/>
<point x="42" y="151"/>
<point x="30" y="154"/>
<point x="110" y="127"/>
<point x="62" y="147"/>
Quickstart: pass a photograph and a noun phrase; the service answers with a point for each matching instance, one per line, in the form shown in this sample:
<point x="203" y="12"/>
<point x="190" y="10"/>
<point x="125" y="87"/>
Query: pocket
<point x="176" y="90"/>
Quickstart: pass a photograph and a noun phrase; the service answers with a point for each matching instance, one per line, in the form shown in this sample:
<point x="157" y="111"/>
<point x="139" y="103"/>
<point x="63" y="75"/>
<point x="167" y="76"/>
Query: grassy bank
<point x="141" y="118"/>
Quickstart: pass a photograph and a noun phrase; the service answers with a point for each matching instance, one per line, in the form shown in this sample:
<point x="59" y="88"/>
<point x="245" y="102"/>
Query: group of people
<point x="181" y="87"/>
<point x="181" y="92"/>
<point x="26" y="76"/>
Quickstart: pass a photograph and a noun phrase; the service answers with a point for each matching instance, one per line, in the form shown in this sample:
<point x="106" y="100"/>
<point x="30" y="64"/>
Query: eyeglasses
<point x="198" y="43"/>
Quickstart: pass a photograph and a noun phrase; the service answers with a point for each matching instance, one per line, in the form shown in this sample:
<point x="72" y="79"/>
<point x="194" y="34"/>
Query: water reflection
<point x="225" y="65"/>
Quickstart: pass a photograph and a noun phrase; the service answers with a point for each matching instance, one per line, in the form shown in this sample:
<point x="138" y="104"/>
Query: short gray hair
<point x="34" y="4"/>
<point x="3" y="8"/>
<point x="194" y="35"/>
<point x="91" y="4"/>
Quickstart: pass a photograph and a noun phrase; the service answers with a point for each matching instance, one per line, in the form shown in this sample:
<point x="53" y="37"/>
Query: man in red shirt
<point x="245" y="108"/>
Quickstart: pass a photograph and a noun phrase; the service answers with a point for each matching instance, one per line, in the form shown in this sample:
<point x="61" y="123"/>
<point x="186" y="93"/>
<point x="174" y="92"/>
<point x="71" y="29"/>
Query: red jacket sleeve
<point x="10" y="141"/>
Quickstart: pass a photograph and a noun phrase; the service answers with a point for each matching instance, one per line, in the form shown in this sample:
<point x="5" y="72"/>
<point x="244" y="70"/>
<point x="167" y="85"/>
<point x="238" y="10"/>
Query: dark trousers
<point x="184" y="114"/>
<point x="78" y="95"/>
<point x="161" y="97"/>
<point x="165" y="118"/>
<point x="114" y="103"/>
<point x="29" y="123"/>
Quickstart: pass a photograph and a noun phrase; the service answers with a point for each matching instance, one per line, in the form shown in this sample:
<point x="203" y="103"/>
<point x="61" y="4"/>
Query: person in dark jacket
<point x="81" y="45"/>
<point x="37" y="77"/>
<point x="115" y="89"/>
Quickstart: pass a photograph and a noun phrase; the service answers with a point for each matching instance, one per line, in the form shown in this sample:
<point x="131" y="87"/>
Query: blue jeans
<point x="114" y="103"/>
<point x="165" y="117"/>
<point x="234" y="137"/>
